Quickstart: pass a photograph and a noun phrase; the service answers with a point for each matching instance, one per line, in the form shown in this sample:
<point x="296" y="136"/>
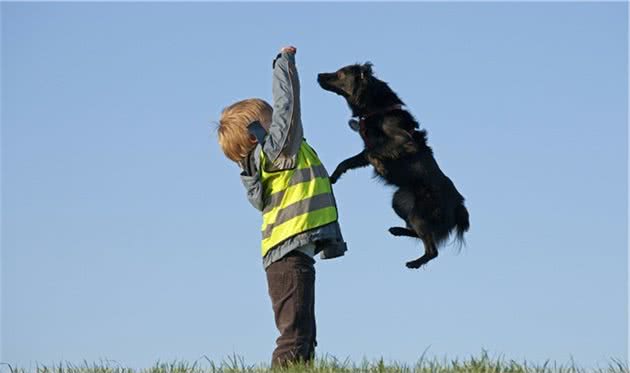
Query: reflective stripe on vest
<point x="295" y="200"/>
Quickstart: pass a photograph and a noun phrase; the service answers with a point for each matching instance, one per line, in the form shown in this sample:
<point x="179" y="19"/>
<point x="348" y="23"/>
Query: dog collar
<point x="386" y="110"/>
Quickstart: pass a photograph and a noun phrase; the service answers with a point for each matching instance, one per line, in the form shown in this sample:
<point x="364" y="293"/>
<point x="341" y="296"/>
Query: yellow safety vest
<point x="295" y="200"/>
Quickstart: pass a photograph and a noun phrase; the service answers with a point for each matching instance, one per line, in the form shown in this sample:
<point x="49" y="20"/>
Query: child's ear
<point x="257" y="131"/>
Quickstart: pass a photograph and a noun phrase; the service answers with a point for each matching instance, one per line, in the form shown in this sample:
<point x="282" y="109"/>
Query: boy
<point x="285" y="179"/>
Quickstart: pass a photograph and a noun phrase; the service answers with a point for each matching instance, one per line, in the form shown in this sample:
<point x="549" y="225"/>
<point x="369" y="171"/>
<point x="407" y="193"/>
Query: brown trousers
<point x="291" y="282"/>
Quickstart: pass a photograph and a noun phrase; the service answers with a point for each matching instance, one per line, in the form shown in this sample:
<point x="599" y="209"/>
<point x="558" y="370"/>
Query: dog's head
<point x="361" y="89"/>
<point x="346" y="81"/>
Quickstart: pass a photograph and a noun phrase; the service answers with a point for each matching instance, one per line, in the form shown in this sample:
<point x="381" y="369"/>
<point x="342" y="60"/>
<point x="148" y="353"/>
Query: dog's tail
<point x="462" y="223"/>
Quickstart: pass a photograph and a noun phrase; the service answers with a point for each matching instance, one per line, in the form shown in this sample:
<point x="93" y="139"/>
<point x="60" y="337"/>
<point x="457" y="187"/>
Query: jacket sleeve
<point x="285" y="132"/>
<point x="251" y="179"/>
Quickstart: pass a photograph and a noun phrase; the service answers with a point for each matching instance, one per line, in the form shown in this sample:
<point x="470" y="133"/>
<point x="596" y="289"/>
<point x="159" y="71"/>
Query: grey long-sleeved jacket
<point x="281" y="147"/>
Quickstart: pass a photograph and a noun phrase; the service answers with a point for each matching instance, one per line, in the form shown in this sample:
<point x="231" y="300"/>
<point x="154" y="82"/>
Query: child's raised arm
<point x="285" y="132"/>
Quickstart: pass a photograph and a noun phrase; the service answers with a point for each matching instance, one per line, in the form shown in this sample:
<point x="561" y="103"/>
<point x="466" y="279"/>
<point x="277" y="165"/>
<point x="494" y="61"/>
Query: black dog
<point x="426" y="199"/>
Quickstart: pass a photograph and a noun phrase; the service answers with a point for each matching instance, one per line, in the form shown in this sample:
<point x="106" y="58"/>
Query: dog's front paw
<point x="414" y="264"/>
<point x="334" y="177"/>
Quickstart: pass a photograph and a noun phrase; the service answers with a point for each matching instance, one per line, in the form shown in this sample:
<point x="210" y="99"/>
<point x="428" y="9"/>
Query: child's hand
<point x="290" y="49"/>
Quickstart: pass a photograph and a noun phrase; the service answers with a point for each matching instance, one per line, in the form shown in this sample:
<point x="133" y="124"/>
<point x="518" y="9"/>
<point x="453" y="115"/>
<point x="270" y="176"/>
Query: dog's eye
<point x="341" y="74"/>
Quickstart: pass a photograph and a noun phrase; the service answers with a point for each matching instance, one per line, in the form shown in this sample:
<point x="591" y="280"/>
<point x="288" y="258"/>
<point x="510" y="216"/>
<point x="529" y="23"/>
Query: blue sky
<point x="126" y="234"/>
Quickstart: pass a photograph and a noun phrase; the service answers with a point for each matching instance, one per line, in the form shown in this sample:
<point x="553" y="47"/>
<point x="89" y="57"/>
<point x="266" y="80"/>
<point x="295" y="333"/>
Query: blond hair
<point x="234" y="139"/>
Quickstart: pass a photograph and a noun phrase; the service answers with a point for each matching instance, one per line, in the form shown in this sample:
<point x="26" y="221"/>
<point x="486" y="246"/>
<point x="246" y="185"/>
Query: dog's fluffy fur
<point x="426" y="198"/>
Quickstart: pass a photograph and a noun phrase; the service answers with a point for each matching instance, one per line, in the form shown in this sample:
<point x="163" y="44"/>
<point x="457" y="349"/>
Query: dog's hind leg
<point x="430" y="253"/>
<point x="406" y="205"/>
<point x="402" y="203"/>
<point x="430" y="248"/>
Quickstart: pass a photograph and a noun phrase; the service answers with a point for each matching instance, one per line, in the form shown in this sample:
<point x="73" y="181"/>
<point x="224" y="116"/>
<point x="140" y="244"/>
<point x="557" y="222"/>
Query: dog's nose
<point x="324" y="78"/>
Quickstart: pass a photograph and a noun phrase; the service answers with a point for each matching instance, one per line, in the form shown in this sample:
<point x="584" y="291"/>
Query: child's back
<point x="285" y="179"/>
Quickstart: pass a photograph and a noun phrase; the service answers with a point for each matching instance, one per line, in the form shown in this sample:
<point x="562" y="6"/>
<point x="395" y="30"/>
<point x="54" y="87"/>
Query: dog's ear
<point x="366" y="70"/>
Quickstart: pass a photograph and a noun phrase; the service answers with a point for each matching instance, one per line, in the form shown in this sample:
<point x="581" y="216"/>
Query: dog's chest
<point x="371" y="132"/>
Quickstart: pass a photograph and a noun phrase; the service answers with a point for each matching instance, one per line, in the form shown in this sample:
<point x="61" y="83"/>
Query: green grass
<point x="235" y="364"/>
